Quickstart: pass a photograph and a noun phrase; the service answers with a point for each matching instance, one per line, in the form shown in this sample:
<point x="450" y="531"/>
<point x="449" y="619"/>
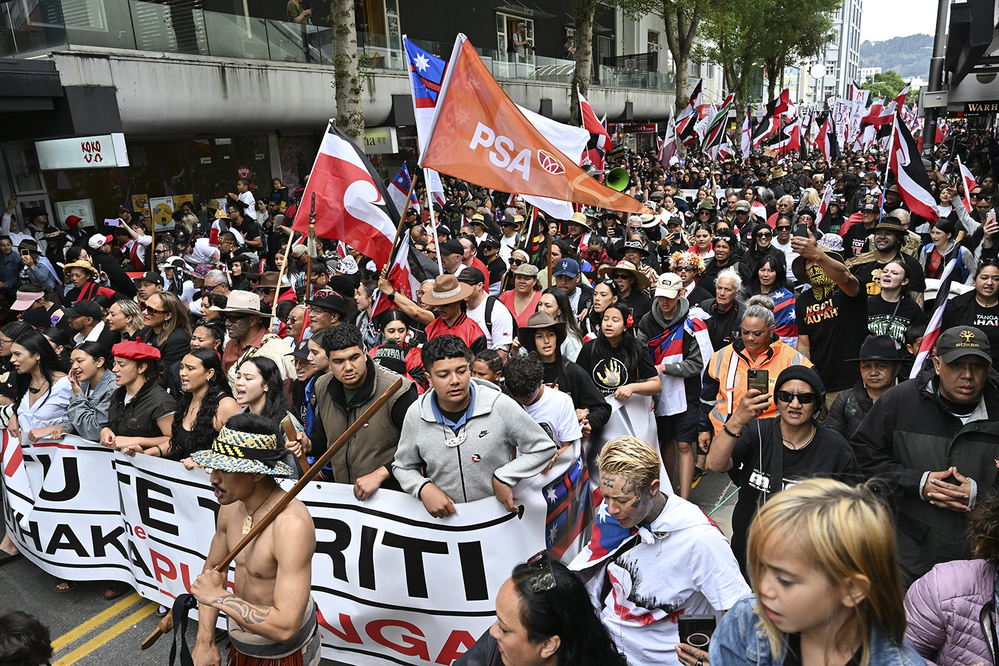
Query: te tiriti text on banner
<point x="393" y="585"/>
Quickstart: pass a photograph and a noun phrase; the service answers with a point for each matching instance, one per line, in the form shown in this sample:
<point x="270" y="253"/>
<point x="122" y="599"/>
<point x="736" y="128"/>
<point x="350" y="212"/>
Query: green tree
<point x="888" y="85"/>
<point x="682" y="19"/>
<point x="796" y="30"/>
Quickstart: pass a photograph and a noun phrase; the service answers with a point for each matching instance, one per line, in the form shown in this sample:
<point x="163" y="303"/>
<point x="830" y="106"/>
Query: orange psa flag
<point x="478" y="134"/>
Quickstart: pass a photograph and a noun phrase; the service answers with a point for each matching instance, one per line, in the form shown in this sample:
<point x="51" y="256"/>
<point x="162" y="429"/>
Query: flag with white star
<point x="569" y="507"/>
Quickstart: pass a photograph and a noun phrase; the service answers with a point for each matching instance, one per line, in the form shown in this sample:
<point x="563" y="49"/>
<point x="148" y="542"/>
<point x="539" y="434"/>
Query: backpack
<point x="490" y="302"/>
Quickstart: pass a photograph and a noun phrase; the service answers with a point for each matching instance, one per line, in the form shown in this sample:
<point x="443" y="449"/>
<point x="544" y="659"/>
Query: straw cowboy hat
<point x="245" y="453"/>
<point x="447" y="290"/>
<point x="242" y="302"/>
<point x="641" y="279"/>
<point x="85" y="265"/>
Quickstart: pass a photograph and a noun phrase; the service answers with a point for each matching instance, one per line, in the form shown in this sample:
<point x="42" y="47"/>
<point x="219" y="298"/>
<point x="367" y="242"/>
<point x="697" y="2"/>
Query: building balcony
<point x="217" y="71"/>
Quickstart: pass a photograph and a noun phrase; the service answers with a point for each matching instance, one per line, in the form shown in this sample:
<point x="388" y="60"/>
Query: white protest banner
<point x="393" y="584"/>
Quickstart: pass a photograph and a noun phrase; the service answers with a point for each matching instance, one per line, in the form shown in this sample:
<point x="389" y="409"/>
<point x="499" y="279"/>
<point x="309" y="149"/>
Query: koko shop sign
<point x="636" y="128"/>
<point x="86" y="152"/>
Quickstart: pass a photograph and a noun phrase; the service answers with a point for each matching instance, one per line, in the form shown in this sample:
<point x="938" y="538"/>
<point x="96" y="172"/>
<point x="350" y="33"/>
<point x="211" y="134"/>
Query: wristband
<point x="729" y="432"/>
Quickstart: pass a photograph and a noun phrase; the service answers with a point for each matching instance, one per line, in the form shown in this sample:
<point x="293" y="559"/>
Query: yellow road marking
<point x="94" y="622"/>
<point x="106" y="635"/>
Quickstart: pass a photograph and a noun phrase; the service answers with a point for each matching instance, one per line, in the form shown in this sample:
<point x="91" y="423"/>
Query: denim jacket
<point x="738" y="641"/>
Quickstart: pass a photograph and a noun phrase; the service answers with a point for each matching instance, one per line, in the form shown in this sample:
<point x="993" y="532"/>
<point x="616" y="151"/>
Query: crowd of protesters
<point x="764" y="335"/>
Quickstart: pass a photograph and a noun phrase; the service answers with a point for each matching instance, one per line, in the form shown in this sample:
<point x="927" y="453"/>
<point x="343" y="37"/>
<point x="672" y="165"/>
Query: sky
<point x="884" y="19"/>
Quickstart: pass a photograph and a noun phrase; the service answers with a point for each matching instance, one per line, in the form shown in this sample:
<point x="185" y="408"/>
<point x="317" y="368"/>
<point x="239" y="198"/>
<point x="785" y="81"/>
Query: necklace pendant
<point x="247" y="524"/>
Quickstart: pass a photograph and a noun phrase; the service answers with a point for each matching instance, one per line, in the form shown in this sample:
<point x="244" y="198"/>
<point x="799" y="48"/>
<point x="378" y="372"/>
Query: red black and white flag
<point x="969" y="183"/>
<point x="933" y="328"/>
<point x="688" y="117"/>
<point x="352" y="204"/>
<point x="600" y="142"/>
<point x="770" y="124"/>
<point x="824" y="205"/>
<point x="15" y="478"/>
<point x="825" y="138"/>
<point x="667" y="145"/>
<point x="907" y="165"/>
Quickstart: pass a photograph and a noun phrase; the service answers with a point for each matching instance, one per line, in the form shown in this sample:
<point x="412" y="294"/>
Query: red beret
<point x="138" y="351"/>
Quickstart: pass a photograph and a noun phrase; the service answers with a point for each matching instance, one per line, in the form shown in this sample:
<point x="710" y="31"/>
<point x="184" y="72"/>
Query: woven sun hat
<point x="85" y="265"/>
<point x="245" y="453"/>
<point x="641" y="279"/>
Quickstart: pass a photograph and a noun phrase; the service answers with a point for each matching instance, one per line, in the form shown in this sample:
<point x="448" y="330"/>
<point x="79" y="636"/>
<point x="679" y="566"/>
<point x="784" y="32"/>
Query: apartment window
<point x="506" y="25"/>
<point x="653" y="42"/>
<point x="695" y="68"/>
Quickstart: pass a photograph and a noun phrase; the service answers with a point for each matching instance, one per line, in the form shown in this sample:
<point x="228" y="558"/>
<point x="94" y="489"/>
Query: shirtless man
<point x="271" y="615"/>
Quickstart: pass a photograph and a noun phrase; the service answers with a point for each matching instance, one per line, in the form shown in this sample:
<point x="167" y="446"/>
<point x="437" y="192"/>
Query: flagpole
<point x="398" y="229"/>
<point x="433" y="217"/>
<point x="310" y="245"/>
<point x="884" y="182"/>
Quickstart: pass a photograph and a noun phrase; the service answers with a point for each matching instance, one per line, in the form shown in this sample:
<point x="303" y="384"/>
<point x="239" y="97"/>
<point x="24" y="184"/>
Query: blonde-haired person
<point x="822" y="562"/>
<point x="124" y="317"/>
<point x="678" y="562"/>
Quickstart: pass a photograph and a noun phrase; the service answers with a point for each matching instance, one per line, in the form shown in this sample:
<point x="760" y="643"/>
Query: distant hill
<point x="908" y="56"/>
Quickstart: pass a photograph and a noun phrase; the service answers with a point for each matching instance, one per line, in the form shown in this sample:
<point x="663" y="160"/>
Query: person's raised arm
<point x="410" y="308"/>
<point x="750" y="407"/>
<point x="837" y="272"/>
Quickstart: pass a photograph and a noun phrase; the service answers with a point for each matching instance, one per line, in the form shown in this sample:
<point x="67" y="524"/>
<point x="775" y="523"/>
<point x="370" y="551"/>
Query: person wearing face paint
<point x="770" y="454"/>
<point x="832" y="315"/>
<point x="932" y="443"/>
<point x="658" y="557"/>
<point x="249" y="337"/>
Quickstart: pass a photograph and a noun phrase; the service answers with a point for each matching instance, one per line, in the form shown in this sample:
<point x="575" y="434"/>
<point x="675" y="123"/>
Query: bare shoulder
<point x="293" y="527"/>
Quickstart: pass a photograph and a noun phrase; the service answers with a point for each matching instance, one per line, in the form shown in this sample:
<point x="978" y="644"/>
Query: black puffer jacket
<point x="909" y="432"/>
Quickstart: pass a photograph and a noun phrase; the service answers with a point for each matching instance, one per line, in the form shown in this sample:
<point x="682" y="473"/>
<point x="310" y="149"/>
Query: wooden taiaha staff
<point x="166" y="624"/>
<point x="310" y="245"/>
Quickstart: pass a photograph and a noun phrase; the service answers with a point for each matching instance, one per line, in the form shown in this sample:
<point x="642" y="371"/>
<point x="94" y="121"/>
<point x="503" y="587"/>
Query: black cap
<point x="963" y="341"/>
<point x="332" y="301"/>
<point x="301" y="350"/>
<point x="452" y="246"/>
<point x="471" y="275"/>
<point x="37" y="317"/>
<point x="878" y="348"/>
<point x="155" y="278"/>
<point x="84" y="309"/>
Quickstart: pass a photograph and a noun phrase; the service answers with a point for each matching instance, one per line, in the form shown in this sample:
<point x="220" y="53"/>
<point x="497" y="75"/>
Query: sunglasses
<point x="266" y="290"/>
<point x="209" y="287"/>
<point x="621" y="276"/>
<point x="783" y="228"/>
<point x="517" y="262"/>
<point x="803" y="398"/>
<point x="235" y="318"/>
<point x="148" y="309"/>
<point x="544" y="579"/>
<point x="765" y="235"/>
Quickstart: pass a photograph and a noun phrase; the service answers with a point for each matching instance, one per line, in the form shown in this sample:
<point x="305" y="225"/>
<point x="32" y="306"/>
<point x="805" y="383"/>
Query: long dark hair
<point x="565" y="611"/>
<point x="630" y="346"/>
<point x="96" y="350"/>
<point x="276" y="403"/>
<point x="62" y="339"/>
<point x="777" y="263"/>
<point x="203" y="433"/>
<point x="596" y="317"/>
<point x="566" y="313"/>
<point x="49" y="362"/>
